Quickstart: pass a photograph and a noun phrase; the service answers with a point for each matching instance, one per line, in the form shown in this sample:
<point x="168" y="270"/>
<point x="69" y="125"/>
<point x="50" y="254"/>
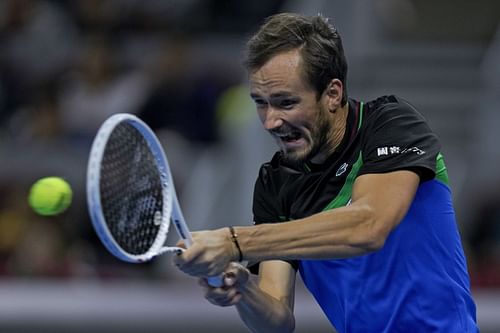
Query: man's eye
<point x="260" y="103"/>
<point x="287" y="103"/>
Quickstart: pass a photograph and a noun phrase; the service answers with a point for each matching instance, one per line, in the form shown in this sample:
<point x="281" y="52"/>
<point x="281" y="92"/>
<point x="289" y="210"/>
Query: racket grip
<point x="216" y="281"/>
<point x="185" y="234"/>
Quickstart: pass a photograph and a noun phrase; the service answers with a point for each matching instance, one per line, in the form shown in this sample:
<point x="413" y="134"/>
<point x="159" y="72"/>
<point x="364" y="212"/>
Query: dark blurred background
<point x="65" y="66"/>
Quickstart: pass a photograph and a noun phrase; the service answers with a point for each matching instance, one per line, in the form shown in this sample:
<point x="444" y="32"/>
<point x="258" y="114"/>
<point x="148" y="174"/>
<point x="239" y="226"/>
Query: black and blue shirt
<point x="418" y="281"/>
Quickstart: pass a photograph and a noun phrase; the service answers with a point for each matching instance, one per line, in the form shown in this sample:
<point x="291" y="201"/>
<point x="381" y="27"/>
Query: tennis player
<point x="357" y="200"/>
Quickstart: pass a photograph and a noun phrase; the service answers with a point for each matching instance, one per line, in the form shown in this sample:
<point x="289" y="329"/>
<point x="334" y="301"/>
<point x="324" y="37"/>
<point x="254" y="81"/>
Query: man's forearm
<point x="378" y="203"/>
<point x="339" y="233"/>
<point x="263" y="313"/>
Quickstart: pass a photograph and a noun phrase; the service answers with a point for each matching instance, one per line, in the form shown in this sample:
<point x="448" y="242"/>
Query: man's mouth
<point x="289" y="136"/>
<point x="290" y="140"/>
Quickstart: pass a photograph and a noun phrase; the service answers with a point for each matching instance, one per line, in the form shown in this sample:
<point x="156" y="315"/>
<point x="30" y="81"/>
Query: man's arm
<point x="265" y="305"/>
<point x="379" y="202"/>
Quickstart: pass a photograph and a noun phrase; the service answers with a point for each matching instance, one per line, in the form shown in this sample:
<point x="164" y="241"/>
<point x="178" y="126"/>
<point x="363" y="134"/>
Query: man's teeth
<point x="288" y="136"/>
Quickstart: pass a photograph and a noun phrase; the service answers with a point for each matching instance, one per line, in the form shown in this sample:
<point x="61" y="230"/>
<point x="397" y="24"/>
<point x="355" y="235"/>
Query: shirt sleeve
<point x="265" y="209"/>
<point x="397" y="137"/>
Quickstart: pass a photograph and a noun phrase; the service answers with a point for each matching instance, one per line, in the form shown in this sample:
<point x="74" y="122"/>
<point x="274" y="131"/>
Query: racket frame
<point x="171" y="208"/>
<point x="170" y="202"/>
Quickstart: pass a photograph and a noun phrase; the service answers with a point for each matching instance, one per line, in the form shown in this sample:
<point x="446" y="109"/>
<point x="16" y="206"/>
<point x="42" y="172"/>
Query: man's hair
<point x="319" y="43"/>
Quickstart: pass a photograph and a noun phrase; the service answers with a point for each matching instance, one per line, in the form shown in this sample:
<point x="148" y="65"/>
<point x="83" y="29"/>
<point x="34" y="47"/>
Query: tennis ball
<point x="50" y="196"/>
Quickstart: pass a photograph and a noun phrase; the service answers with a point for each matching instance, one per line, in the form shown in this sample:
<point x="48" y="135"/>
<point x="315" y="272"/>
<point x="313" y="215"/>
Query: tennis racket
<point x="130" y="192"/>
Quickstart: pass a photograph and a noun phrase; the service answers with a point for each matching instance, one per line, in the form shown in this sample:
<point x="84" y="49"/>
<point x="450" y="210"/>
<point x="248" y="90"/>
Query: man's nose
<point x="272" y="119"/>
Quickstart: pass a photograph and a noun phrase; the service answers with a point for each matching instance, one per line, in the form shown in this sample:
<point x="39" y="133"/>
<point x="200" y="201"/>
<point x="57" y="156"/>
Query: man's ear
<point x="333" y="95"/>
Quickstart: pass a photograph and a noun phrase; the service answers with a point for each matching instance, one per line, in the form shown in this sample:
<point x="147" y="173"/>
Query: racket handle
<point x="183" y="231"/>
<point x="213" y="281"/>
<point x="216" y="281"/>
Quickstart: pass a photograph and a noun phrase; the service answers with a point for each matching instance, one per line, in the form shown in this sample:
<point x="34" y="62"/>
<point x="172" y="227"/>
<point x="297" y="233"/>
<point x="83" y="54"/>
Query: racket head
<point x="129" y="189"/>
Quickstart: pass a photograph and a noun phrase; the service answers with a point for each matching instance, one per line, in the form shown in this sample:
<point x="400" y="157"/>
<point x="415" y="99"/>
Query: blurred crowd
<point x="66" y="65"/>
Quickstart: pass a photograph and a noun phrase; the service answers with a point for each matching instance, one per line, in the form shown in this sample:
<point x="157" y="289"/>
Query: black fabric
<point x="397" y="137"/>
<point x="393" y="136"/>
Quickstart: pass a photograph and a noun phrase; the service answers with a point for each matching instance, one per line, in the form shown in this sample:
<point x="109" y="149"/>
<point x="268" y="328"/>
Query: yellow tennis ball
<point x="50" y="196"/>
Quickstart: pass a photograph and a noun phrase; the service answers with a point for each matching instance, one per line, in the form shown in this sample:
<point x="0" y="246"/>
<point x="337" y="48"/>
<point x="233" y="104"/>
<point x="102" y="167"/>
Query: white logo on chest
<point x="342" y="169"/>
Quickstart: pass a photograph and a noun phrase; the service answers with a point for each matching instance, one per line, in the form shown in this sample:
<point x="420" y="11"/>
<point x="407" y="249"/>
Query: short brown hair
<point x="319" y="42"/>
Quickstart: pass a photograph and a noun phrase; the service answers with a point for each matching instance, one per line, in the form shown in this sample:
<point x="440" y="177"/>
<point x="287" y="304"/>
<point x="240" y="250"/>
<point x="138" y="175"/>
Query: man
<point x="357" y="200"/>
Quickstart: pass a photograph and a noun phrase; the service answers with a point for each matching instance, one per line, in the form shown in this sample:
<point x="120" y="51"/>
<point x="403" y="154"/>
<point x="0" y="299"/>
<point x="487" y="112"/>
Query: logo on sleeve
<point x="394" y="150"/>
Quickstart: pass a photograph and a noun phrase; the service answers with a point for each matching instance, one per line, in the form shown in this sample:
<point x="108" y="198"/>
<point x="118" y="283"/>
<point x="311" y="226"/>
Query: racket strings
<point x="131" y="190"/>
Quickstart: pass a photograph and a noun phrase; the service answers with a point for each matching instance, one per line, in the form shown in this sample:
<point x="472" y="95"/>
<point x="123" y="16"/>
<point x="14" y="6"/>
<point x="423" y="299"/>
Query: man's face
<point x="288" y="107"/>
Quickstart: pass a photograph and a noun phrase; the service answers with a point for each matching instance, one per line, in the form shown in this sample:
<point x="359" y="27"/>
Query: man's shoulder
<point x="389" y="107"/>
<point x="386" y="101"/>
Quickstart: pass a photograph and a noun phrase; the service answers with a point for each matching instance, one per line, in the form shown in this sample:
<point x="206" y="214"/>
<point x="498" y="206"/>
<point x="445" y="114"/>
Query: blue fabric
<point x="417" y="282"/>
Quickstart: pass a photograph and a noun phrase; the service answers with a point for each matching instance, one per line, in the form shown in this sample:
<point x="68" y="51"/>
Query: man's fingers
<point x="230" y="279"/>
<point x="184" y="260"/>
<point x="181" y="243"/>
<point x="236" y="274"/>
<point x="204" y="283"/>
<point x="223" y="297"/>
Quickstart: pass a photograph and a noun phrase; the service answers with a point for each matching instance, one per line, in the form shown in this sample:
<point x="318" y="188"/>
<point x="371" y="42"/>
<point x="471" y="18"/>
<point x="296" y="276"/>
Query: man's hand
<point x="209" y="255"/>
<point x="235" y="280"/>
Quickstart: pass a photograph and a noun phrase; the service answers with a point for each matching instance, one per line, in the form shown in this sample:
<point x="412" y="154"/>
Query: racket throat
<point x="184" y="234"/>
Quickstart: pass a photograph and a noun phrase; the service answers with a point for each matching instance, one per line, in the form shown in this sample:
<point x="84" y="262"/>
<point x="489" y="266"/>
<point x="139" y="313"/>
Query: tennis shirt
<point x="418" y="281"/>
